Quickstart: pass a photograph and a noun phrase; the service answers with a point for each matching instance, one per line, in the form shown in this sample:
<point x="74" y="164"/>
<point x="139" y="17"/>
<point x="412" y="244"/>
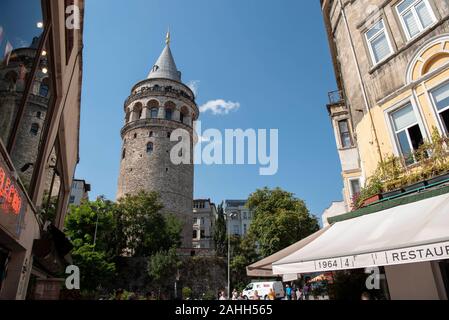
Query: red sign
<point x="10" y="199"/>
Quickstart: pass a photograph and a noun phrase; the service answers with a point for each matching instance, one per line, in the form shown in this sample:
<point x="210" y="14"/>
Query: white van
<point x="263" y="289"/>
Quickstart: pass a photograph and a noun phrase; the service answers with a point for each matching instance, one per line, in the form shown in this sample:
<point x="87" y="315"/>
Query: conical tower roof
<point x="165" y="66"/>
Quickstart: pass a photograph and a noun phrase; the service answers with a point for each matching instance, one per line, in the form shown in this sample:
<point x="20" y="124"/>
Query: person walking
<point x="272" y="295"/>
<point x="235" y="295"/>
<point x="288" y="291"/>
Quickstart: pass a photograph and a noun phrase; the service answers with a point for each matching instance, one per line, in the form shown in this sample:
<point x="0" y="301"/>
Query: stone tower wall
<point x="154" y="171"/>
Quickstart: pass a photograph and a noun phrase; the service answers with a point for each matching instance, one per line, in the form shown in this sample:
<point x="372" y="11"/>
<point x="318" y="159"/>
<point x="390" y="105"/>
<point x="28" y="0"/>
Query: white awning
<point x="410" y="233"/>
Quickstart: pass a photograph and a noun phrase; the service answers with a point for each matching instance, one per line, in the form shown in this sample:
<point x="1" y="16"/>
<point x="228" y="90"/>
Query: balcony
<point x="336" y="97"/>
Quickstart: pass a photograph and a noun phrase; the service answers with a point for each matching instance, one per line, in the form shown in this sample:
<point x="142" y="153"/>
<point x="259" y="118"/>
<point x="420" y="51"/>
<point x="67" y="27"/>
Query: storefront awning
<point x="410" y="233"/>
<point x="263" y="268"/>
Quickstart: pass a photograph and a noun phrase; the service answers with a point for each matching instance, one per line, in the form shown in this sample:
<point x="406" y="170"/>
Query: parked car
<point x="263" y="289"/>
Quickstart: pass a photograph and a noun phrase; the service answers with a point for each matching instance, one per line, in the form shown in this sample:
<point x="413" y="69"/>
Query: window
<point x="378" y="42"/>
<point x="354" y="185"/>
<point x="236" y="230"/>
<point x="416" y="16"/>
<point x="245" y="215"/>
<point x="72" y="200"/>
<point x="151" y="134"/>
<point x="345" y="135"/>
<point x="407" y="131"/>
<point x="43" y="88"/>
<point x="154" y="112"/>
<point x="168" y="134"/>
<point x="124" y="154"/>
<point x="34" y="129"/>
<point x="38" y="114"/>
<point x="181" y="117"/>
<point x="150" y="148"/>
<point x="244" y="229"/>
<point x="168" y="114"/>
<point x="195" y="234"/>
<point x="202" y="221"/>
<point x="203" y="234"/>
<point x="441" y="101"/>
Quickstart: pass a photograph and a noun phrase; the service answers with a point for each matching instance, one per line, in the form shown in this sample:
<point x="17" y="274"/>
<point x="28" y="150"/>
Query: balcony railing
<point x="336" y="97"/>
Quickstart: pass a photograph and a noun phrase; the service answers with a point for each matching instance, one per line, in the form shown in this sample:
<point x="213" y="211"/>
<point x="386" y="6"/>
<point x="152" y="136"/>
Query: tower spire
<point x="167" y="37"/>
<point x="165" y="66"/>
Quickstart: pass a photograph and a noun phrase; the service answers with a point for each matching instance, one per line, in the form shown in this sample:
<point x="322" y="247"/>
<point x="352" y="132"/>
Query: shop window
<point x="378" y="42"/>
<point x="20" y="36"/>
<point x="345" y="134"/>
<point x="53" y="190"/>
<point x="4" y="258"/>
<point x="441" y="101"/>
<point x="408" y="133"/>
<point x="416" y="16"/>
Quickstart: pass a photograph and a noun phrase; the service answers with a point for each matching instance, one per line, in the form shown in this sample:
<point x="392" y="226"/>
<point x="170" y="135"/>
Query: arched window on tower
<point x="150" y="148"/>
<point x="154" y="113"/>
<point x="123" y="154"/>
<point x="168" y="114"/>
<point x="34" y="129"/>
<point x="169" y="107"/>
<point x="44" y="88"/>
<point x="183" y="114"/>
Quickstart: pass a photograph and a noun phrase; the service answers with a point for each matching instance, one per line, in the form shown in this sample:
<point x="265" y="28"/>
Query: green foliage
<point x="186" y="293"/>
<point x="209" y="296"/>
<point x="95" y="262"/>
<point x="96" y="269"/>
<point x="163" y="266"/>
<point x="393" y="172"/>
<point x="280" y="219"/>
<point x="144" y="228"/>
<point x="220" y="233"/>
<point x="243" y="253"/>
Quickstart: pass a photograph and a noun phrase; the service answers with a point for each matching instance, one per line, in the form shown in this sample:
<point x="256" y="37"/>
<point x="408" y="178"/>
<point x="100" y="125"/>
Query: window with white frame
<point x="378" y="42"/>
<point x="407" y="131"/>
<point x="416" y="16"/>
<point x="354" y="186"/>
<point x="441" y="100"/>
<point x="345" y="134"/>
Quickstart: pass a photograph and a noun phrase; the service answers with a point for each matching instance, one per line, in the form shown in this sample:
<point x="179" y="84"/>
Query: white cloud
<point x="194" y="86"/>
<point x="220" y="106"/>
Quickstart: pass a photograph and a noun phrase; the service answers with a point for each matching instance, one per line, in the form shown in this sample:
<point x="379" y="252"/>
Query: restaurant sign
<point x="12" y="202"/>
<point x="414" y="254"/>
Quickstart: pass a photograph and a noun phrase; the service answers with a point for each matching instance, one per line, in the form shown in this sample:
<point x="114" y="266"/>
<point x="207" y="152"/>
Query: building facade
<point x="158" y="106"/>
<point x="204" y="217"/>
<point x="40" y="93"/>
<point x="239" y="217"/>
<point x="79" y="193"/>
<point x="391" y="60"/>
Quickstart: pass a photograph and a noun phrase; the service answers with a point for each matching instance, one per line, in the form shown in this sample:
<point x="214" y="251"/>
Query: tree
<point x="280" y="219"/>
<point x="220" y="233"/>
<point x="95" y="261"/>
<point x="163" y="267"/>
<point x="145" y="229"/>
<point x="243" y="253"/>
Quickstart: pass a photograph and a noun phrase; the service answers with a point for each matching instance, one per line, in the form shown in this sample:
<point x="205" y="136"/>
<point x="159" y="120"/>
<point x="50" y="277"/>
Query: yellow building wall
<point x="434" y="59"/>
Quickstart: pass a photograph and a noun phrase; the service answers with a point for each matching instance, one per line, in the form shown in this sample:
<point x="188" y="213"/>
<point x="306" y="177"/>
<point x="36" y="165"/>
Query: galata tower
<point x="156" y="107"/>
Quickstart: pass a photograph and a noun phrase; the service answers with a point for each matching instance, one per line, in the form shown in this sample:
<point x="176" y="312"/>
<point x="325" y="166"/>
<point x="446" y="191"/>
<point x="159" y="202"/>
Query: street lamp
<point x="229" y="216"/>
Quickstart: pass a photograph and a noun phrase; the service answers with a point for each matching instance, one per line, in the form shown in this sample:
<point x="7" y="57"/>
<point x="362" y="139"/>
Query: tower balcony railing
<point x="158" y="90"/>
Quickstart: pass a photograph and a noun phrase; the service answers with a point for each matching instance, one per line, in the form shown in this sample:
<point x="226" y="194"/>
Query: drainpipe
<point x="359" y="75"/>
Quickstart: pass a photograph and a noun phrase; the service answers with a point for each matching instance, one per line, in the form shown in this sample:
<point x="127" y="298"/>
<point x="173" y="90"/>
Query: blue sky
<point x="271" y="57"/>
